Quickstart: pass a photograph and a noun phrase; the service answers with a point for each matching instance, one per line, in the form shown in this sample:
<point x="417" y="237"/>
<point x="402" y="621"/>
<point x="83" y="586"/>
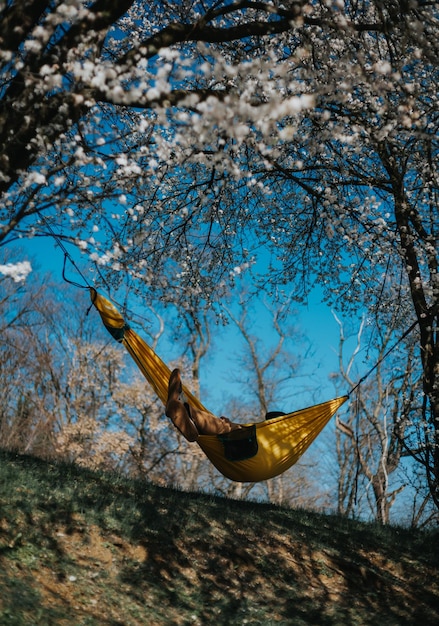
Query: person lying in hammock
<point x="192" y="422"/>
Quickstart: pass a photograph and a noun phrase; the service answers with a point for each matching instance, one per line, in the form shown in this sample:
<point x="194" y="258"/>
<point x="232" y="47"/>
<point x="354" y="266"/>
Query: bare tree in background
<point x="370" y="438"/>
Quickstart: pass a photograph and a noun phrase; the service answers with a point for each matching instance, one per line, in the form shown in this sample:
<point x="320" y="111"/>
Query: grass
<point x="84" y="548"/>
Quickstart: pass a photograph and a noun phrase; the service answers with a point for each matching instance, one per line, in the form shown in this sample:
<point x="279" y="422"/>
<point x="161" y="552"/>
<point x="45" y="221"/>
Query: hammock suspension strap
<point x="385" y="355"/>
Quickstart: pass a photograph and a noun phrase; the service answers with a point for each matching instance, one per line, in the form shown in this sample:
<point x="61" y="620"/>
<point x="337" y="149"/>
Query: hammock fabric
<point x="280" y="441"/>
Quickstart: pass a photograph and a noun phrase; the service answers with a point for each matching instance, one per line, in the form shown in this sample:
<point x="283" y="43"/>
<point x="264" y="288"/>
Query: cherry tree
<point x="186" y="143"/>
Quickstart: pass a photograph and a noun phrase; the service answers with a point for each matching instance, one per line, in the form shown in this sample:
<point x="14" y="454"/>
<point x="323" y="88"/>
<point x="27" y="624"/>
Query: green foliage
<point x="80" y="547"/>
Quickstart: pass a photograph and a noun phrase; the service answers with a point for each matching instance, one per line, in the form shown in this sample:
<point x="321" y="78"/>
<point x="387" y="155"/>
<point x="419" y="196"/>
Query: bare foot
<point x="231" y="425"/>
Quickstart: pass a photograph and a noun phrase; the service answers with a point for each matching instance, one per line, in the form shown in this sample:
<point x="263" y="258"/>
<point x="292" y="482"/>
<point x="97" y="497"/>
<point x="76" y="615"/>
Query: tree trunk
<point x="411" y="230"/>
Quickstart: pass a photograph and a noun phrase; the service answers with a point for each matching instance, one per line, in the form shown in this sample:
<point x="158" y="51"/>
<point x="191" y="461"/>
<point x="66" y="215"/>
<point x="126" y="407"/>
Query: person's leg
<point x="176" y="410"/>
<point x="181" y="420"/>
<point x="208" y="424"/>
<point x="192" y="422"/>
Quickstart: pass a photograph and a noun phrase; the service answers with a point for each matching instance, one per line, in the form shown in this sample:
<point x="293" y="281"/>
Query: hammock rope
<point x="385" y="355"/>
<point x="67" y="255"/>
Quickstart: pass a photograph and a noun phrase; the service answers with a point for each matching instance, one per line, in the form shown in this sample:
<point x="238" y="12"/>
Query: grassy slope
<point x="83" y="548"/>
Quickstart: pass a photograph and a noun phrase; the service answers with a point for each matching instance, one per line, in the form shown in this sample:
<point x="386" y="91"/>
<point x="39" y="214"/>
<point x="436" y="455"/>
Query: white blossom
<point x="17" y="271"/>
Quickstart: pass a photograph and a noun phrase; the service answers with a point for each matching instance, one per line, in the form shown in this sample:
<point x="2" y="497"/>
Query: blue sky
<point x="317" y="349"/>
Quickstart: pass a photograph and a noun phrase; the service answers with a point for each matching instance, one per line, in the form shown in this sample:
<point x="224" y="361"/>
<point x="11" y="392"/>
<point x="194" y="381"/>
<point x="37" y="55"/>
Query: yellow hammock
<point x="280" y="441"/>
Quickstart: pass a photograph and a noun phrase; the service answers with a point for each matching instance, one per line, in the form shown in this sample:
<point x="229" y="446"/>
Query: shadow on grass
<point x="207" y="559"/>
<point x="233" y="562"/>
<point x="21" y="605"/>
